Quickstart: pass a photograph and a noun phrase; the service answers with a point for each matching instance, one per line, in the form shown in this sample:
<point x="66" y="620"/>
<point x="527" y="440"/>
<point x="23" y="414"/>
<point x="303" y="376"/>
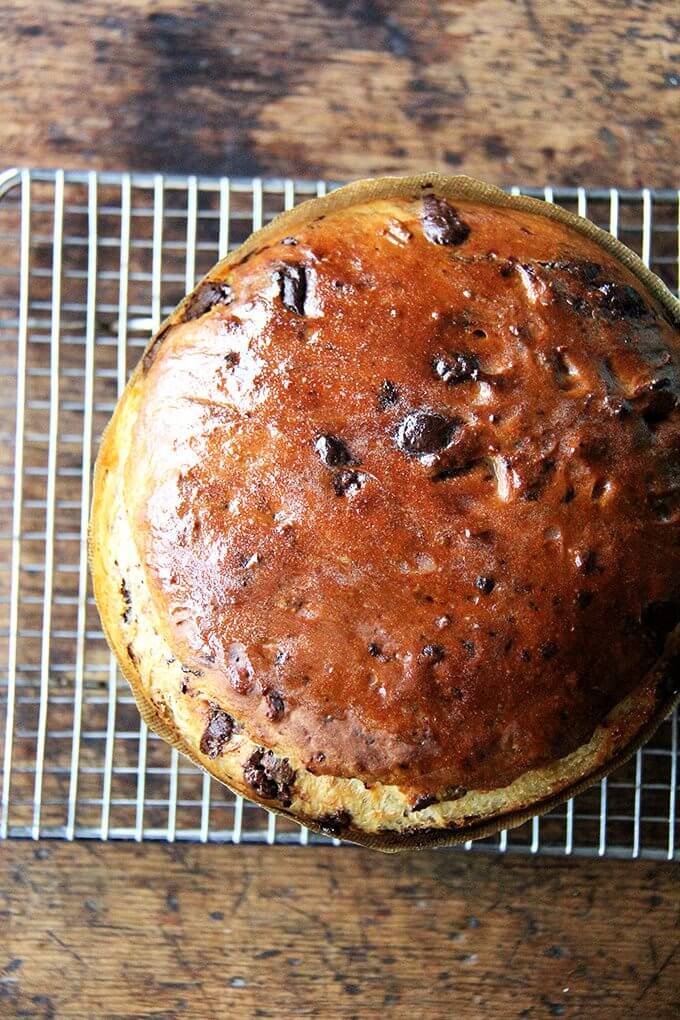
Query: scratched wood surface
<point x="123" y="931"/>
<point x="584" y="92"/>
<point x="511" y="90"/>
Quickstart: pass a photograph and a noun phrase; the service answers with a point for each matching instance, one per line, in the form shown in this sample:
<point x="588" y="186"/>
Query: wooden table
<point x="518" y="91"/>
<point x="526" y="92"/>
<point x="105" y="930"/>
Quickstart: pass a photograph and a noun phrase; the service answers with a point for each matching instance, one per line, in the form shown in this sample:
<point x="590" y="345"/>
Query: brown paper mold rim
<point x="363" y="192"/>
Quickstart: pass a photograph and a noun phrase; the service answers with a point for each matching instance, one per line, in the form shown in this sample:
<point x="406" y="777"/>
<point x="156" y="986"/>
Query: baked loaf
<point x="386" y="525"/>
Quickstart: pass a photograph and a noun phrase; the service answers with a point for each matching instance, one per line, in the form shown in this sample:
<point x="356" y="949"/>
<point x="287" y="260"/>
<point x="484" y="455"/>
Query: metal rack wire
<point x="89" y="265"/>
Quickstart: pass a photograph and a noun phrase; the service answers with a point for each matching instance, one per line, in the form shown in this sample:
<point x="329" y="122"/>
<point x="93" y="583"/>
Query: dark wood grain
<point x="510" y="90"/>
<point x="122" y="931"/>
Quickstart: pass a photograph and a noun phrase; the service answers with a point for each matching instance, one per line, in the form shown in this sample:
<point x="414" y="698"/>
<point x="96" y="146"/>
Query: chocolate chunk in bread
<point x="621" y="300"/>
<point x="349" y="482"/>
<point x="205" y="297"/>
<point x="127" y="601"/>
<point x="424" y="800"/>
<point x="292" y="281"/>
<point x="332" y="451"/>
<point x="217" y="733"/>
<point x="433" y="654"/>
<point x="582" y="269"/>
<point x="335" y="823"/>
<point x="425" y="432"/>
<point x="456" y="368"/>
<point x="276" y="706"/>
<point x="441" y="222"/>
<point x="269" y="776"/>
<point x="387" y="395"/>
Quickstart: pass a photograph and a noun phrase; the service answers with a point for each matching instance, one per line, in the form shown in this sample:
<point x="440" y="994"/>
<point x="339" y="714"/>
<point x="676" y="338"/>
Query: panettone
<point x="386" y="529"/>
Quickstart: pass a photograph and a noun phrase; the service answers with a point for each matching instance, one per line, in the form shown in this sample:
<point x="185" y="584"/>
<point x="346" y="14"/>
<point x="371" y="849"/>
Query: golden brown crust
<point x="517" y="751"/>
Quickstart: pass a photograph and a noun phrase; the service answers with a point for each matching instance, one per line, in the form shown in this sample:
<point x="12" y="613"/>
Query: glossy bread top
<point x="406" y="489"/>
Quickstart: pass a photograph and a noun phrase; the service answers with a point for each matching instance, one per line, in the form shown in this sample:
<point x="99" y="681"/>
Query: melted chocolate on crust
<point x="205" y="297"/>
<point x="441" y="222"/>
<point x="270" y="777"/>
<point x="292" y="283"/>
<point x="217" y="733"/>
<point x="527" y="493"/>
<point x="336" y="823"/>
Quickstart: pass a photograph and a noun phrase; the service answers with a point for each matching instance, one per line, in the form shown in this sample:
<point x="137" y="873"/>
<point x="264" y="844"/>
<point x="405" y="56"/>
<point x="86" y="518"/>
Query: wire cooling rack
<point x="89" y="266"/>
